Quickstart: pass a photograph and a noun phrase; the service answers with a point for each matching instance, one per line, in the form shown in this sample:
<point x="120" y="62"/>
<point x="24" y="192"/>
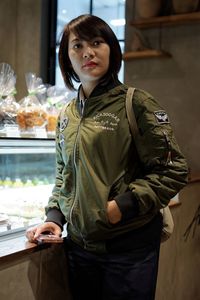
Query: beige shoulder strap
<point x="130" y="112"/>
<point x="168" y="223"/>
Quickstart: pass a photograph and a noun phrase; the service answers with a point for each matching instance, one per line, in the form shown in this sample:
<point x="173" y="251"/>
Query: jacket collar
<point x="101" y="88"/>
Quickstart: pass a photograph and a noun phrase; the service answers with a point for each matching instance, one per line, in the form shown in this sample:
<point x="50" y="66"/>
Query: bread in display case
<point x="27" y="175"/>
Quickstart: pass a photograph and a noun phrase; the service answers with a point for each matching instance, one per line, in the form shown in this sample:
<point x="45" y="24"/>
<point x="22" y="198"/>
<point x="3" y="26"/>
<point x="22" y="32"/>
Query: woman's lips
<point x="89" y="64"/>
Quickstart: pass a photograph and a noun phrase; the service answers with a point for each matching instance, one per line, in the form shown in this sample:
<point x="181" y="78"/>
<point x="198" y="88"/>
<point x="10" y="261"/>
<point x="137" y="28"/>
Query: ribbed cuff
<point x="128" y="205"/>
<point x="56" y="216"/>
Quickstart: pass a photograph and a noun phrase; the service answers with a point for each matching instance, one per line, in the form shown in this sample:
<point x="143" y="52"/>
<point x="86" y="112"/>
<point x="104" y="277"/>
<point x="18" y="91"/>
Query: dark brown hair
<point x="88" y="27"/>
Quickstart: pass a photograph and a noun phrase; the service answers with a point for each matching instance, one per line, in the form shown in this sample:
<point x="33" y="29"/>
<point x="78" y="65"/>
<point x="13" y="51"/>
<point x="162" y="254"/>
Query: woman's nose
<point x="88" y="52"/>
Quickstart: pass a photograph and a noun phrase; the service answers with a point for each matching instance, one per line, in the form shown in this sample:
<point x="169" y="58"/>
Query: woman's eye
<point x="97" y="42"/>
<point x="77" y="46"/>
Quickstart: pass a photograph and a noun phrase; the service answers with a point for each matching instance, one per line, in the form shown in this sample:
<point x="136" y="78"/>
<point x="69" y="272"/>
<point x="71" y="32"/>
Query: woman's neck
<point x="88" y="88"/>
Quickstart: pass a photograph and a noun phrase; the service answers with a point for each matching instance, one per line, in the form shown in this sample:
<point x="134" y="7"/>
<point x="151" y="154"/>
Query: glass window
<point x="111" y="11"/>
<point x="66" y="11"/>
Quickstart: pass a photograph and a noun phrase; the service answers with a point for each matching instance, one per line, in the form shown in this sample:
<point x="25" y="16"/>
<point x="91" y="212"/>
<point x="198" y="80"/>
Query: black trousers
<point x="129" y="275"/>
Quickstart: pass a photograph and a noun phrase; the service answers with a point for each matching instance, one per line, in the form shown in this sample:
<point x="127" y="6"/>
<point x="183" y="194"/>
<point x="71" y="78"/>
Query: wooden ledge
<point x="167" y="20"/>
<point x="18" y="247"/>
<point x="173" y="203"/>
<point x="149" y="53"/>
<point x="194" y="177"/>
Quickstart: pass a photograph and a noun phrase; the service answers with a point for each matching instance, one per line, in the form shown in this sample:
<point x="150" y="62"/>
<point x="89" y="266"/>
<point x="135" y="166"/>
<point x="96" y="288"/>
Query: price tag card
<point x="40" y="132"/>
<point x="12" y="130"/>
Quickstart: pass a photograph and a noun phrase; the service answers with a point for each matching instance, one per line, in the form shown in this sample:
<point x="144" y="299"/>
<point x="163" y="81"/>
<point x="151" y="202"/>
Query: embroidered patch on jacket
<point x="106" y="121"/>
<point x="161" y="117"/>
<point x="61" y="139"/>
<point x="63" y="124"/>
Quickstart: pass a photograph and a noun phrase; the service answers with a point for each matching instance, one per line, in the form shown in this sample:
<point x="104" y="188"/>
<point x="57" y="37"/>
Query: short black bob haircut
<point x="87" y="27"/>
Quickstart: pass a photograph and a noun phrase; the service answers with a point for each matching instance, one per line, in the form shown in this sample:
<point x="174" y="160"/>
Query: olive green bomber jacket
<point x="97" y="162"/>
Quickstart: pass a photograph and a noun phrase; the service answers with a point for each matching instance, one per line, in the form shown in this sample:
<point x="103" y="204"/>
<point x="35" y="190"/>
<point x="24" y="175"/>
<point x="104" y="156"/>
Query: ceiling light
<point x="118" y="22"/>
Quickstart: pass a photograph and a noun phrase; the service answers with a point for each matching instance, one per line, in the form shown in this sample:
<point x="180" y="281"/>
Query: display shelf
<point x="27" y="177"/>
<point x="170" y="20"/>
<point x="150" y="53"/>
<point x="27" y="145"/>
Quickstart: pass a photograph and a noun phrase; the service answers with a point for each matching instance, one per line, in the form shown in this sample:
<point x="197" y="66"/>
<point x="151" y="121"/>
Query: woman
<point x="109" y="197"/>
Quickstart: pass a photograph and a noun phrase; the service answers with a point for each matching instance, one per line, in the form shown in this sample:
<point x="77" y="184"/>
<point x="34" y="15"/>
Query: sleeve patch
<point x="63" y="124"/>
<point x="161" y="117"/>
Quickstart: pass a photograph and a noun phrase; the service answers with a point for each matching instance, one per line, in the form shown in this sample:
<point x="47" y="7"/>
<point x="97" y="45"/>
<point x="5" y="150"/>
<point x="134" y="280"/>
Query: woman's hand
<point x="33" y="232"/>
<point x="113" y="212"/>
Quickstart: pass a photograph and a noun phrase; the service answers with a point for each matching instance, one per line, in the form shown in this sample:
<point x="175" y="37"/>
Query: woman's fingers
<point x="30" y="233"/>
<point x="49" y="227"/>
<point x="33" y="233"/>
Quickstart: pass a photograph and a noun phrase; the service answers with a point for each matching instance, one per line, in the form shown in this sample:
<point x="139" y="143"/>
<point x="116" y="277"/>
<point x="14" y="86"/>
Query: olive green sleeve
<point x="54" y="199"/>
<point x="164" y="167"/>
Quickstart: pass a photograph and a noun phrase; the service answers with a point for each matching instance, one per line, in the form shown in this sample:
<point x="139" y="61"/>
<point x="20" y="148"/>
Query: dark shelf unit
<point x="171" y="20"/>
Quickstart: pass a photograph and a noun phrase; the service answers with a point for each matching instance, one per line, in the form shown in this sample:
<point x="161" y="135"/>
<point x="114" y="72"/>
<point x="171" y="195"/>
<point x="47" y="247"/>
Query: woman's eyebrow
<point x="75" y="40"/>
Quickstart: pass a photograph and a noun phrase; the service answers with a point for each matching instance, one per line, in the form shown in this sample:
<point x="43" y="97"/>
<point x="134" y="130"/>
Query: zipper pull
<point x="169" y="153"/>
<point x="169" y="158"/>
<point x="82" y="106"/>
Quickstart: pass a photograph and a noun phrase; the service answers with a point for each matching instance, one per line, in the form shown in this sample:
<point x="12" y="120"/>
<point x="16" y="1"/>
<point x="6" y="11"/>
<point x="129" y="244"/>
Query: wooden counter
<point x="15" y="248"/>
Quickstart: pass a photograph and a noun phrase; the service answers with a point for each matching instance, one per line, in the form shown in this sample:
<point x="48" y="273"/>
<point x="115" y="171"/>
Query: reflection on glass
<point x="26" y="182"/>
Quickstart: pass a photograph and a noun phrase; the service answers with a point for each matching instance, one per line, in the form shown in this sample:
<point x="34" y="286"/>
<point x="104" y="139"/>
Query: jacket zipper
<point x="82" y="106"/>
<point x="75" y="168"/>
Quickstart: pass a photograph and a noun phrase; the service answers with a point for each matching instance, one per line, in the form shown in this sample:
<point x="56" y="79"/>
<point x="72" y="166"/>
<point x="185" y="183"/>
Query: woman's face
<point x="89" y="59"/>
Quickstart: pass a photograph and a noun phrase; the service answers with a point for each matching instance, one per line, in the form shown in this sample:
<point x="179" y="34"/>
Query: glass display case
<point x="27" y="174"/>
